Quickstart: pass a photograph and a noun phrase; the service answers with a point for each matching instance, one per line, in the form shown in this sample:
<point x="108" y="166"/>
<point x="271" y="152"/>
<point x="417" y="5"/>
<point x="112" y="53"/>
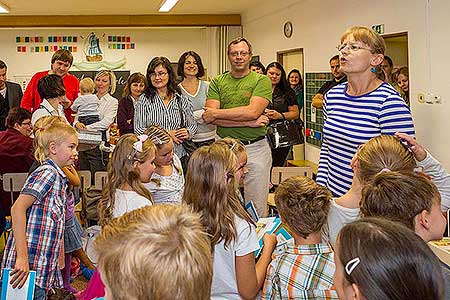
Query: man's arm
<point x="250" y="112"/>
<point x="317" y="100"/>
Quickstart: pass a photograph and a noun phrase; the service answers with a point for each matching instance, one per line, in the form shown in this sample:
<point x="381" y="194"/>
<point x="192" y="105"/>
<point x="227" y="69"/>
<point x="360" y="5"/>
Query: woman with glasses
<point x="283" y="106"/>
<point x="163" y="104"/>
<point x="105" y="85"/>
<point x="356" y="111"/>
<point x="190" y="68"/>
<point x="16" y="150"/>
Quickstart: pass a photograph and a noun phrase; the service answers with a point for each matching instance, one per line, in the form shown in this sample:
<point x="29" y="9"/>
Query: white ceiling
<point x="126" y="7"/>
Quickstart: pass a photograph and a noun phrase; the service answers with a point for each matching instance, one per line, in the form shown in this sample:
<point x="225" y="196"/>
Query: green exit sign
<point x="379" y="28"/>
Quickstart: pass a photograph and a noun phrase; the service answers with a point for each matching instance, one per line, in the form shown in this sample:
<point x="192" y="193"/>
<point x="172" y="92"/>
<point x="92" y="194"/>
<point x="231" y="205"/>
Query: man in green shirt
<point x="235" y="103"/>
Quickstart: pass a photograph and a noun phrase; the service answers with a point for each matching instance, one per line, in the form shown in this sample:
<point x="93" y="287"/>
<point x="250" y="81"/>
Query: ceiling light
<point x="167" y="5"/>
<point x="4" y="9"/>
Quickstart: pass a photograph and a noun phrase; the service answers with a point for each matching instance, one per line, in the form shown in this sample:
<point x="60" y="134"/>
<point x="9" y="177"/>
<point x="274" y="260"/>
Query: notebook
<point x="25" y="293"/>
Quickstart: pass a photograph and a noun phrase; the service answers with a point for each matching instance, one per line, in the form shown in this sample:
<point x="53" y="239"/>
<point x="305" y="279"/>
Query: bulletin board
<point x="314" y="128"/>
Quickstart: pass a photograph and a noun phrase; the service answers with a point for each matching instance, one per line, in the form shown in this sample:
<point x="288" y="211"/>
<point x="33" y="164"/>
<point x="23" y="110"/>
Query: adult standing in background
<point x="338" y="78"/>
<point x="16" y="149"/>
<point x="296" y="82"/>
<point x="135" y="86"/>
<point x="60" y="65"/>
<point x="283" y="107"/>
<point x="358" y="110"/>
<point x="190" y="68"/>
<point x="10" y="95"/>
<point x="236" y="103"/>
<point x="52" y="92"/>
<point x="105" y="84"/>
<point x="163" y="104"/>
<point x="257" y="67"/>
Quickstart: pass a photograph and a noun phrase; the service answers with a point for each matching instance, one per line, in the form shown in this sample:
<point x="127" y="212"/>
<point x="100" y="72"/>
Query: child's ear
<point x="135" y="164"/>
<point x="52" y="147"/>
<point x="354" y="164"/>
<point x="356" y="292"/>
<point x="422" y="219"/>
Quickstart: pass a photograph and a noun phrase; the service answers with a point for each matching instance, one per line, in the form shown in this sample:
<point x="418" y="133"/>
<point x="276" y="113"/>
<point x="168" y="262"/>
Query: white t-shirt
<point x="224" y="284"/>
<point x="126" y="201"/>
<point x="338" y="217"/>
<point x="170" y="188"/>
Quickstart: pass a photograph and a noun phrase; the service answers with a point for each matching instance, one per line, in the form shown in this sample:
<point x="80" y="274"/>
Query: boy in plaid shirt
<point x="38" y="214"/>
<point x="304" y="270"/>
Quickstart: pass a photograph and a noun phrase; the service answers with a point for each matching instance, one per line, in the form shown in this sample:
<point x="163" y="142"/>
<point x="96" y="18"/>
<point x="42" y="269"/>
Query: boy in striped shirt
<point x="304" y="270"/>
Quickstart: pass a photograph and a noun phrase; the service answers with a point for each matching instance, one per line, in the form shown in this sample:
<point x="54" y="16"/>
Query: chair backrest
<point x="279" y="174"/>
<point x="100" y="180"/>
<point x="85" y="177"/>
<point x="13" y="182"/>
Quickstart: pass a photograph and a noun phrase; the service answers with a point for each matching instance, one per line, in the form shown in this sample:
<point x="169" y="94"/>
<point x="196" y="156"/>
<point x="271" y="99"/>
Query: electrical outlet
<point x="421" y="99"/>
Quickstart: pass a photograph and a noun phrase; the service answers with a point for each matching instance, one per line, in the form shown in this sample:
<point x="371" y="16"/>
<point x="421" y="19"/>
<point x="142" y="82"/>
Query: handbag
<point x="285" y="133"/>
<point x="188" y="145"/>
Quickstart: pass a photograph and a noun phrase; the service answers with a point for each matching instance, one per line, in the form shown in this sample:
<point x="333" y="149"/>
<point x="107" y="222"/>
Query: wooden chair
<point x="13" y="182"/>
<point x="280" y="174"/>
<point x="85" y="177"/>
<point x="100" y="180"/>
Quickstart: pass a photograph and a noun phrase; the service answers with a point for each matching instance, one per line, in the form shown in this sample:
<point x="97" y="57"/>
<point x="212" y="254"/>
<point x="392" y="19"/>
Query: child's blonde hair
<point x="159" y="136"/>
<point x="50" y="129"/>
<point x="87" y="86"/>
<point x="211" y="190"/>
<point x="235" y="145"/>
<point x="383" y="152"/>
<point x="156" y="252"/>
<point x="121" y="170"/>
<point x="303" y="204"/>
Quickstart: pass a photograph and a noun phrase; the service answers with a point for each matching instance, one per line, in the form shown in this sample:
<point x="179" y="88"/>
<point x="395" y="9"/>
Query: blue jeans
<point x="39" y="293"/>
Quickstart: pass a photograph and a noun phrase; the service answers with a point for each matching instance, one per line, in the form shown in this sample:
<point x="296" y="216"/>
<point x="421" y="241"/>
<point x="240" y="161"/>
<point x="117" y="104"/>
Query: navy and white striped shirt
<point x="153" y="111"/>
<point x="351" y="121"/>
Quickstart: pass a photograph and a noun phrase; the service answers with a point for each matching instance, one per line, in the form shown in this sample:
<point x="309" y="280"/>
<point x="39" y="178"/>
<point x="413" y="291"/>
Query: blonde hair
<point x="383" y="152"/>
<point x="303" y="204"/>
<point x="233" y="144"/>
<point x="121" y="170"/>
<point x="156" y="252"/>
<point x="87" y="86"/>
<point x="370" y="38"/>
<point x="112" y="79"/>
<point x="159" y="136"/>
<point x="50" y="129"/>
<point x="211" y="190"/>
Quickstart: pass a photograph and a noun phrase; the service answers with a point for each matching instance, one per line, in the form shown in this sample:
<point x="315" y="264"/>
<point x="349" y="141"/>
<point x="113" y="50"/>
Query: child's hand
<point x="417" y="149"/>
<point x="270" y="241"/>
<point x="20" y="272"/>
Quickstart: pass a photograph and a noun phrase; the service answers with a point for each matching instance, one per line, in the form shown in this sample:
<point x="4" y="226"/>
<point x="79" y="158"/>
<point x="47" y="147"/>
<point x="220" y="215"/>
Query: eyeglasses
<point x="240" y="53"/>
<point x="26" y="123"/>
<point x="352" y="47"/>
<point x="160" y="75"/>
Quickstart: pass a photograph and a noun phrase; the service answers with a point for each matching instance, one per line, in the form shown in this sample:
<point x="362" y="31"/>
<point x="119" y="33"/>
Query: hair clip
<point x="138" y="145"/>
<point x="158" y="140"/>
<point x="385" y="170"/>
<point x="351" y="265"/>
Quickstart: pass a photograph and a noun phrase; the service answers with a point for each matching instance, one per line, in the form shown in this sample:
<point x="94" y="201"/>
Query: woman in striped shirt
<point x="356" y="111"/>
<point x="162" y="104"/>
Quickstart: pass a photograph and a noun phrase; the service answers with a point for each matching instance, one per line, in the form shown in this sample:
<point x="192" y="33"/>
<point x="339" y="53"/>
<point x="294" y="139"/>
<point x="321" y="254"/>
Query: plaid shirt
<point x="301" y="272"/>
<point x="45" y="224"/>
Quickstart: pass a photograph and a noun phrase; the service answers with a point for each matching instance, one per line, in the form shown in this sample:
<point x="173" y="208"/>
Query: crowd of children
<point x="205" y="246"/>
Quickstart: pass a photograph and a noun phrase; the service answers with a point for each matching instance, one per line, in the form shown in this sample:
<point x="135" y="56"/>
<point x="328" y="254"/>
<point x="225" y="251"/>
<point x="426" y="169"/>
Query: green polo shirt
<point x="234" y="92"/>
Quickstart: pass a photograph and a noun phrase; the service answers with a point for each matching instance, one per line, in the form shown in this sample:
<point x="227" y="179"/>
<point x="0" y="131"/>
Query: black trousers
<point x="279" y="156"/>
<point x="93" y="160"/>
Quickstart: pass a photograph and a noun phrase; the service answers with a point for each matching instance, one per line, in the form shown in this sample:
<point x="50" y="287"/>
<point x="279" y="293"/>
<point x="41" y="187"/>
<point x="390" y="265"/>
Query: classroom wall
<point x="318" y="26"/>
<point x="149" y="42"/>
